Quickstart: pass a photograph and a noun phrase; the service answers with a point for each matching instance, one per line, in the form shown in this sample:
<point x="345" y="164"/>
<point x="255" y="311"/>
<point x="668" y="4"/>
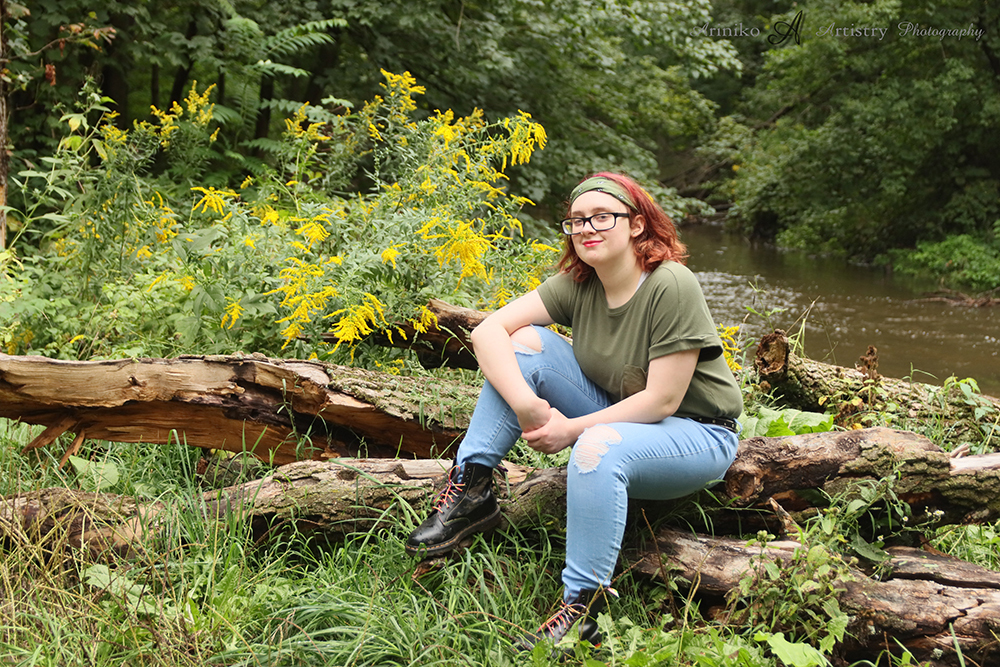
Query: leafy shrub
<point x="959" y="261"/>
<point x="128" y="264"/>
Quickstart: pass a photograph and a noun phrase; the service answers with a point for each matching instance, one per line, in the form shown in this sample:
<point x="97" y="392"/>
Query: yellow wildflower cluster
<point x="297" y="127"/>
<point x="186" y="282"/>
<point x="730" y="348"/>
<point x="312" y="230"/>
<point x="448" y="129"/>
<point x="465" y="243"/>
<point x="359" y="320"/>
<point x="446" y="199"/>
<point x="113" y="136"/>
<point x="232" y="314"/>
<point x="390" y="254"/>
<point x="214" y="200"/>
<point x="199" y="113"/>
<point x="165" y="223"/>
<point x="425" y="320"/>
<point x="268" y="216"/>
<point x="400" y="89"/>
<point x="304" y="303"/>
<point x="525" y="135"/>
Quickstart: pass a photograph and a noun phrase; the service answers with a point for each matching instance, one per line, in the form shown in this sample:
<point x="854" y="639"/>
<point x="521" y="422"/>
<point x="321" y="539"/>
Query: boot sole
<point x="480" y="526"/>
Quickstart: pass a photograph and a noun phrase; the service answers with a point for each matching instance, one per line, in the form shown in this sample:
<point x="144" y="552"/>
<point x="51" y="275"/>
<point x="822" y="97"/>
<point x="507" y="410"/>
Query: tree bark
<point x="796" y="381"/>
<point x="446" y="344"/>
<point x="281" y="411"/>
<point x="811" y="385"/>
<point x="929" y="602"/>
<point x="323" y="494"/>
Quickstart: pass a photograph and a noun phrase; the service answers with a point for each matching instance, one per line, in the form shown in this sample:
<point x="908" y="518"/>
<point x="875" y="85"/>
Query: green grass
<point x="206" y="594"/>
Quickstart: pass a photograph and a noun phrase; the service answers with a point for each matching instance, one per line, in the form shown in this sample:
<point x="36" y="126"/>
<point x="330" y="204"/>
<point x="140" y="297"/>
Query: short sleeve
<point x="559" y="293"/>
<point x="681" y="319"/>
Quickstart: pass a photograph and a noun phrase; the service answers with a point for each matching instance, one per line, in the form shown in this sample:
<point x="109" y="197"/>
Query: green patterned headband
<point x="605" y="185"/>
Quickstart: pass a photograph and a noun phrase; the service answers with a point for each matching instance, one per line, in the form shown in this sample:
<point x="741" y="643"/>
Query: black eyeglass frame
<point x="567" y="224"/>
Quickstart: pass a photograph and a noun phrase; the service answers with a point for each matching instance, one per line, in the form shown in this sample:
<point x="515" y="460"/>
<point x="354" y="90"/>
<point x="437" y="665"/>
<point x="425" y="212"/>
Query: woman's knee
<point x="526" y="340"/>
<point x="591" y="448"/>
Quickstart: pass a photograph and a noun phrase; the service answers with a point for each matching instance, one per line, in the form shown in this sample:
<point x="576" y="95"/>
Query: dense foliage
<point x="866" y="142"/>
<point x="137" y="265"/>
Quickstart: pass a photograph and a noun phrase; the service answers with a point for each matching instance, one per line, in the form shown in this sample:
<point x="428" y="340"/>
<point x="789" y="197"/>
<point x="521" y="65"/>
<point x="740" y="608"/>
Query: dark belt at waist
<point x="724" y="422"/>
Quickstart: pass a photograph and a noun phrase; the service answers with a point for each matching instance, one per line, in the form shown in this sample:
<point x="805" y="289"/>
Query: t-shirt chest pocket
<point x="633" y="380"/>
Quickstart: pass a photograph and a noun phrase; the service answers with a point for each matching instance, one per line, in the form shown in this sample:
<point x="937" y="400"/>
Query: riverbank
<point x="842" y="309"/>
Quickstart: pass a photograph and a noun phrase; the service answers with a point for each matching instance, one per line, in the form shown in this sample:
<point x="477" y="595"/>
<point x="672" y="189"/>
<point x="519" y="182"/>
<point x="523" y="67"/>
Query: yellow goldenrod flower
<point x="390" y="254"/>
<point x="233" y="312"/>
<point x="213" y="199"/>
<point x="313" y="232"/>
<point x="358" y="321"/>
<point x="425" y="320"/>
<point x="730" y="348"/>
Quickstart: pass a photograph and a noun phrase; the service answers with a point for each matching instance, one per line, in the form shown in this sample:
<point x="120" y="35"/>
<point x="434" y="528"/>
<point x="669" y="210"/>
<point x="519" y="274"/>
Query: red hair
<point x="657" y="243"/>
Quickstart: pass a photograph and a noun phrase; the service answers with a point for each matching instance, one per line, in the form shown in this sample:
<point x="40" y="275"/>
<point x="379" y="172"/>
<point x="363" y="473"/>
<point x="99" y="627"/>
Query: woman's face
<point x="609" y="246"/>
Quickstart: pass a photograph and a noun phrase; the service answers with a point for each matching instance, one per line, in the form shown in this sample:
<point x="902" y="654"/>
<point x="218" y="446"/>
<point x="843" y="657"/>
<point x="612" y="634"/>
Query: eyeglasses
<point x="599" y="222"/>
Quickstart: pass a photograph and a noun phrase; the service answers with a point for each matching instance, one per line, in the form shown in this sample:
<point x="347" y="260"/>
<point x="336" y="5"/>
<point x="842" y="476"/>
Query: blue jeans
<point x="610" y="463"/>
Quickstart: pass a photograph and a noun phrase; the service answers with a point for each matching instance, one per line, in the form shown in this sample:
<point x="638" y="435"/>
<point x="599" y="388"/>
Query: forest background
<point x="197" y="177"/>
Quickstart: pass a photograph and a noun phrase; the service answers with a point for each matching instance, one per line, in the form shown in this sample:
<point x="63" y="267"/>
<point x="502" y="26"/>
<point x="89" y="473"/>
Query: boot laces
<point x="449" y="494"/>
<point x="560" y="622"/>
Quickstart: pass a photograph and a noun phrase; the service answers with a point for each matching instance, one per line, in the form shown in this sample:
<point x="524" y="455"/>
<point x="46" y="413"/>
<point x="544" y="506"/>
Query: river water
<point x="844" y="309"/>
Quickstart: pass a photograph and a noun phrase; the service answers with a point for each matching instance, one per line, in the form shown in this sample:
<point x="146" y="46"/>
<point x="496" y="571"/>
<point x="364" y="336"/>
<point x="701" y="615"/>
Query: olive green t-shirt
<point x="666" y="314"/>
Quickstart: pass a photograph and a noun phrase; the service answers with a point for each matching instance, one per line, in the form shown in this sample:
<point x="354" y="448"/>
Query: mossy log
<point x="796" y="472"/>
<point x="797" y="382"/>
<point x="281" y="411"/>
<point x="803" y="383"/>
<point x="928" y="602"/>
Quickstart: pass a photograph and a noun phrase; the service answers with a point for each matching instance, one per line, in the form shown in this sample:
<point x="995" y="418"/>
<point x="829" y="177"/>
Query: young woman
<point x="643" y="395"/>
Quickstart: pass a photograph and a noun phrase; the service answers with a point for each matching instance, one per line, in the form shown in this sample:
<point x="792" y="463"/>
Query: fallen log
<point x="918" y="603"/>
<point x="281" y="411"/>
<point x="797" y="382"/>
<point x="444" y="344"/>
<point x="928" y="602"/>
<point x="803" y="383"/>
<point x="797" y="472"/>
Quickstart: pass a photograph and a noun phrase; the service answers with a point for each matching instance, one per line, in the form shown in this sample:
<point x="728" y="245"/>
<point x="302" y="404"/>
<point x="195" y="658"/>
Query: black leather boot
<point x="463" y="508"/>
<point x="583" y="608"/>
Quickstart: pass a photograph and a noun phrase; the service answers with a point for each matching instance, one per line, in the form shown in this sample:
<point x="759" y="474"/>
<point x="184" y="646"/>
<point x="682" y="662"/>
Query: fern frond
<point x="299" y="37"/>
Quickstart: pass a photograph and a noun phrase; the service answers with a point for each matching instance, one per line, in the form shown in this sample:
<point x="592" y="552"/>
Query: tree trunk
<point x="930" y="602"/>
<point x="263" y="125"/>
<point x="767" y="470"/>
<point x="281" y="411"/>
<point x="182" y="74"/>
<point x="797" y="382"/>
<point x="811" y="385"/>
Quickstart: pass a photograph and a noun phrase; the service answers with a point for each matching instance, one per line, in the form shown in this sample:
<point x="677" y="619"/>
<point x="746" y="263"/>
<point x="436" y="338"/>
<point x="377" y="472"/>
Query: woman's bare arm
<point x="491" y="341"/>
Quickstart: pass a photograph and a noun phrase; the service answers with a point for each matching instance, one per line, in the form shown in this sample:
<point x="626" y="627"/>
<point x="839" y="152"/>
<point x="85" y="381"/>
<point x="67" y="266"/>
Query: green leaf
<point x="868" y="551"/>
<point x="795" y="654"/>
<point x="856" y="505"/>
<point x="75" y="120"/>
<point x="779" y="428"/>
<point x="95" y="475"/>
